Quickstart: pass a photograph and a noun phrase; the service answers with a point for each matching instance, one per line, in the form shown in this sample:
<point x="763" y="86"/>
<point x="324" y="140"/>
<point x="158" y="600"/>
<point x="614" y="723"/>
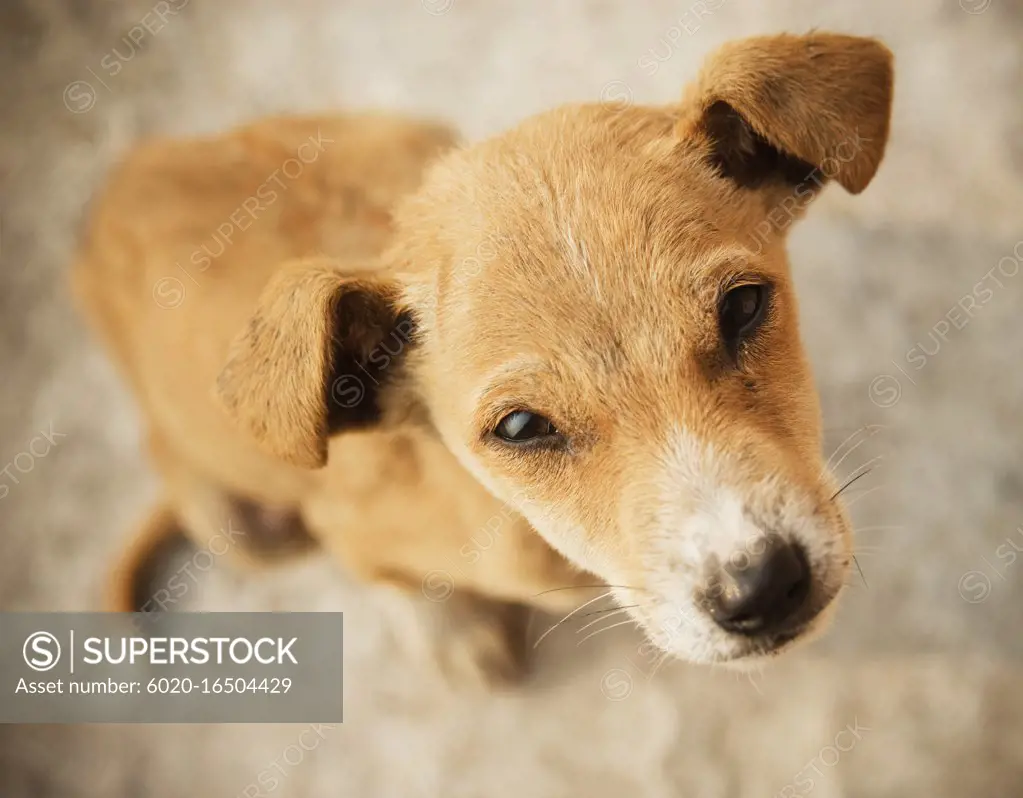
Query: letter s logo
<point x="41" y="651"/>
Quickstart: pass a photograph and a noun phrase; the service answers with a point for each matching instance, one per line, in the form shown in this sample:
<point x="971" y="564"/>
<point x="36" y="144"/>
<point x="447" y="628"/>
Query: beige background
<point x="933" y="680"/>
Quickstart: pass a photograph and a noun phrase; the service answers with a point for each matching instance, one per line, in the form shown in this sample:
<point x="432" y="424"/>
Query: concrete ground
<point x="917" y="690"/>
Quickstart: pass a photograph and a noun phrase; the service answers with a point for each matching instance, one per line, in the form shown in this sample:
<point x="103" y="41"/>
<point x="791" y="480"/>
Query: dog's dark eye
<point x="741" y="311"/>
<point x="521" y="426"/>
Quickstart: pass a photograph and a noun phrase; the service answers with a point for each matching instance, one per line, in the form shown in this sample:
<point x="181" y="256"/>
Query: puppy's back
<point x="187" y="232"/>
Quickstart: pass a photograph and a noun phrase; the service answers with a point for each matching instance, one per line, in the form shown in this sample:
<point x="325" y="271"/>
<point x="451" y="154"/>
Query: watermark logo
<point x="169" y="291"/>
<point x="616" y="92"/>
<point x="41" y="651"/>
<point x="80" y="95"/>
<point x="616" y="684"/>
<point x="975" y="586"/>
<point x="886" y="389"/>
<point x="689" y="23"/>
<point x="438" y="586"/>
<point x="975" y="6"/>
<point x="437" y="7"/>
<point x="25" y="461"/>
<point x="829" y="756"/>
<point x="347" y="391"/>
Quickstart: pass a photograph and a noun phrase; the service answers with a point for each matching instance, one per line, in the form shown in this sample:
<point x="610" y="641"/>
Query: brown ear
<point x="316" y="354"/>
<point x="789" y="108"/>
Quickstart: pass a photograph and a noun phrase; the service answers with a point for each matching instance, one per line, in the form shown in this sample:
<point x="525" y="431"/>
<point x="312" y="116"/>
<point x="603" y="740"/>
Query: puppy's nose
<point x="761" y="594"/>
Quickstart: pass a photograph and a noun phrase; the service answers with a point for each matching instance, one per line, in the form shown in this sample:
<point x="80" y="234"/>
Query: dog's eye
<point x="741" y="311"/>
<point x="521" y="426"/>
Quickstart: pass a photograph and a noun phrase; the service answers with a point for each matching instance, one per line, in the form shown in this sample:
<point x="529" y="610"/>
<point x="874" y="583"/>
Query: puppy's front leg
<point x="474" y="640"/>
<point x="486" y="612"/>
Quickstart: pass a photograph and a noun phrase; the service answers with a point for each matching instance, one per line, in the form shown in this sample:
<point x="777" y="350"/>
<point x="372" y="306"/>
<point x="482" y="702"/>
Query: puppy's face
<point x="613" y="350"/>
<point x="606" y="335"/>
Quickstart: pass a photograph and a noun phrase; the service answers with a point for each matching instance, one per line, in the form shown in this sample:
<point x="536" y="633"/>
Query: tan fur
<point x="572" y="266"/>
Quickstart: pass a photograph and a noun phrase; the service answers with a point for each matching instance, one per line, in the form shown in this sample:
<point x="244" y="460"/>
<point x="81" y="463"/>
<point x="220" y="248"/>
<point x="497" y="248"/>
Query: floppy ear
<point x="791" y="109"/>
<point x="314" y="359"/>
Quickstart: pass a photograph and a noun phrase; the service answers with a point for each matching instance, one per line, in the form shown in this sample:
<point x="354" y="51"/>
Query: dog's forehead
<point x="586" y="234"/>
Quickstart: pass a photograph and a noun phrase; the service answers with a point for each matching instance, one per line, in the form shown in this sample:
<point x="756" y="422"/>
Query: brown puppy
<point x="579" y="336"/>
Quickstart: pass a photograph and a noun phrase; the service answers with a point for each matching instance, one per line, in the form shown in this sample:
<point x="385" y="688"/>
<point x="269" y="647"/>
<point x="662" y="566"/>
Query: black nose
<point x="762" y="593"/>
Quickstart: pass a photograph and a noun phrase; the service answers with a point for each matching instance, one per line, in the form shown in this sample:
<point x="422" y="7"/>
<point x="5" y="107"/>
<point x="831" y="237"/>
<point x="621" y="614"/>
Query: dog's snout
<point x="763" y="593"/>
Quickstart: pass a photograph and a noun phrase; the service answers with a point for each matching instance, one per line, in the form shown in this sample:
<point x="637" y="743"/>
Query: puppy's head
<point x="594" y="312"/>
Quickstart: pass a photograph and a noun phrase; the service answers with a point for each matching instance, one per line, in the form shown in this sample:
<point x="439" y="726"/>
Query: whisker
<point x="838" y="448"/>
<point x="573" y="612"/>
<point x="870" y="429"/>
<point x="849" y="483"/>
<point x="861" y="572"/>
<point x="610" y="612"/>
<point x="609" y="609"/>
<point x="857" y="497"/>
<point x="866" y="467"/>
<point x="584" y="587"/>
<point x="605" y="629"/>
<point x="872" y="463"/>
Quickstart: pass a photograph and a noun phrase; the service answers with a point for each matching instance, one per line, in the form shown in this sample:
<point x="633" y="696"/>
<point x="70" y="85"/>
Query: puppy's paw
<point x="484" y="643"/>
<point x="474" y="642"/>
